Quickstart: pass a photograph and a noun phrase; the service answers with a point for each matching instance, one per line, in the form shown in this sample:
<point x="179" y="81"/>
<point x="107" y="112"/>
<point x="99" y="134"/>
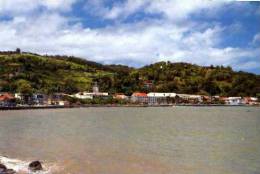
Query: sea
<point x="129" y="140"/>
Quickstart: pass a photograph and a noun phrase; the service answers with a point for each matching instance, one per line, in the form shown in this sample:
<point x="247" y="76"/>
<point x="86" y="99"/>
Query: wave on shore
<point x="21" y="167"/>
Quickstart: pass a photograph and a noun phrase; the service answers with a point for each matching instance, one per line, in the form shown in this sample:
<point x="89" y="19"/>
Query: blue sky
<point x="136" y="32"/>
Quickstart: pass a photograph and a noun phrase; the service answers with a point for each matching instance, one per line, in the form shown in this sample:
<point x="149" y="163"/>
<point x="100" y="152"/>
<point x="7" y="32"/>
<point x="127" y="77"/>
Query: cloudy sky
<point x="136" y="32"/>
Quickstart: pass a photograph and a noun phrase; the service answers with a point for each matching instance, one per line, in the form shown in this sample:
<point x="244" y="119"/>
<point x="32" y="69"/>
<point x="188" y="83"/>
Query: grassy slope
<point x="35" y="73"/>
<point x="47" y="74"/>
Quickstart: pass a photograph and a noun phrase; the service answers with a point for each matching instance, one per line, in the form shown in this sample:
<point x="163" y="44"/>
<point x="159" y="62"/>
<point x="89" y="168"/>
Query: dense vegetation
<point x="27" y="73"/>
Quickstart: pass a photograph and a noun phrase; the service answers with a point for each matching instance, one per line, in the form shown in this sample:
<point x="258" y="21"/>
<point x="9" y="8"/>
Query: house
<point x="187" y="98"/>
<point x="40" y="99"/>
<point x="120" y="96"/>
<point x="90" y="95"/>
<point x="139" y="97"/>
<point x="83" y="95"/>
<point x="7" y="100"/>
<point x="57" y="99"/>
<point x="234" y="101"/>
<point x="223" y="99"/>
<point x="250" y="100"/>
<point x="101" y="94"/>
<point x="155" y="98"/>
<point x="32" y="99"/>
<point x="24" y="98"/>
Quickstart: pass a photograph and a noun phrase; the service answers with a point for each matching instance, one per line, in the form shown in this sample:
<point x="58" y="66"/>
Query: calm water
<point x="180" y="140"/>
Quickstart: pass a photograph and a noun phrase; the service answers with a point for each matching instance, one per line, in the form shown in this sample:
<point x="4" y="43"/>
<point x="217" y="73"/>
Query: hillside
<point x="34" y="73"/>
<point x="29" y="73"/>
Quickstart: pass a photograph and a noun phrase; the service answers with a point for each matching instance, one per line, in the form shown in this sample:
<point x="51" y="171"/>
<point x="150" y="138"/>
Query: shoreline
<point x="112" y="105"/>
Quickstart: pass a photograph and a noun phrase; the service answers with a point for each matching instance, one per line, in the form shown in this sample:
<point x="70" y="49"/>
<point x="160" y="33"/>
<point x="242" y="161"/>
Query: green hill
<point x="29" y="73"/>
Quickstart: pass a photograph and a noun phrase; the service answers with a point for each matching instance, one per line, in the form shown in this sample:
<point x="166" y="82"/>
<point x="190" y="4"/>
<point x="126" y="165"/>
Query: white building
<point x="139" y="97"/>
<point x="95" y="88"/>
<point x="155" y="98"/>
<point x="83" y="95"/>
<point x="189" y="96"/>
<point x="234" y="100"/>
<point x="90" y="95"/>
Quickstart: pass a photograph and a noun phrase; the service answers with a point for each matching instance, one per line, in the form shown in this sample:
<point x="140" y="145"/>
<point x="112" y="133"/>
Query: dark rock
<point x="35" y="166"/>
<point x="9" y="171"/>
<point x="2" y="168"/>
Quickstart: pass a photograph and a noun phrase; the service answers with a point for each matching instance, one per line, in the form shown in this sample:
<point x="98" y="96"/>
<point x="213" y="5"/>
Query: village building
<point x="83" y="95"/>
<point x="57" y="99"/>
<point x="120" y="96"/>
<point x="97" y="93"/>
<point x="187" y="98"/>
<point x="91" y="95"/>
<point x="40" y="99"/>
<point x="250" y="100"/>
<point x="223" y="99"/>
<point x="24" y="99"/>
<point x="7" y="100"/>
<point x="32" y="99"/>
<point x="155" y="98"/>
<point x="139" y="97"/>
<point x="234" y="101"/>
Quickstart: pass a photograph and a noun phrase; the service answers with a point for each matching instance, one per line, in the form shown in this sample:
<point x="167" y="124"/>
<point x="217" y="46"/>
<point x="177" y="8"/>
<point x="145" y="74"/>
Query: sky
<point x="136" y="32"/>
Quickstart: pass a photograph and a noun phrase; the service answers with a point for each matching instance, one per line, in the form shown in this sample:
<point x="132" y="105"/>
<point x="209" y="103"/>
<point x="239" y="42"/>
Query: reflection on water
<point x="181" y="140"/>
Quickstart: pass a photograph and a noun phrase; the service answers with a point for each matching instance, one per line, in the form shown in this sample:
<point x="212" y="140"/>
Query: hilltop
<point x="27" y="73"/>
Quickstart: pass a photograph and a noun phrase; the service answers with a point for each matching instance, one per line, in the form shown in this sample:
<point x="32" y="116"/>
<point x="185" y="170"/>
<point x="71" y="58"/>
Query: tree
<point x="211" y="87"/>
<point x="24" y="87"/>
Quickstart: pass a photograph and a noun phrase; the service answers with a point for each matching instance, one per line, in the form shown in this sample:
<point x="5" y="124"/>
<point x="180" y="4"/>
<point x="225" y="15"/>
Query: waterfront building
<point x="24" y="99"/>
<point x="250" y="100"/>
<point x="155" y="98"/>
<point x="90" y="95"/>
<point x="234" y="101"/>
<point x="188" y="98"/>
<point x="83" y="95"/>
<point x="39" y="99"/>
<point x="139" y="97"/>
<point x="7" y="100"/>
<point x="97" y="94"/>
<point x="120" y="96"/>
<point x="95" y="88"/>
<point x="57" y="99"/>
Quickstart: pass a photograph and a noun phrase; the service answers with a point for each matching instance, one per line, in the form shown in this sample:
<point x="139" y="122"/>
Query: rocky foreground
<point x="32" y="167"/>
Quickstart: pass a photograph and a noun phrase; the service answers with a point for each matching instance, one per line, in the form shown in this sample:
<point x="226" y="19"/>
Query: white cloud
<point x="140" y="43"/>
<point x="137" y="43"/>
<point x="123" y="10"/>
<point x="256" y="38"/>
<point x="24" y="6"/>
<point x="180" y="9"/>
<point x="58" y="4"/>
<point x="174" y="10"/>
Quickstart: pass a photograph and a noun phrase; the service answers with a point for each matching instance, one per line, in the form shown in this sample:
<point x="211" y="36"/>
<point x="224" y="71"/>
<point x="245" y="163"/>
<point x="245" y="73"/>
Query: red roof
<point x="140" y="94"/>
<point x="6" y="96"/>
<point x="223" y="98"/>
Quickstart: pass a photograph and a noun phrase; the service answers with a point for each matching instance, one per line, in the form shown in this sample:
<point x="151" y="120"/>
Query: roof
<point x="139" y="94"/>
<point x="250" y="98"/>
<point x="159" y="94"/>
<point x="6" y="96"/>
<point x="189" y="96"/>
<point x="234" y="98"/>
